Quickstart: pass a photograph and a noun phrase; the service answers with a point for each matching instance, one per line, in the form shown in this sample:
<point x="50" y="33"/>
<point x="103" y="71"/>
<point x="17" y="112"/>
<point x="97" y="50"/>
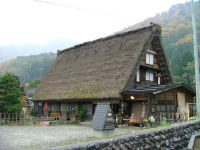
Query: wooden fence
<point x="171" y="117"/>
<point x="23" y="119"/>
<point x="12" y="118"/>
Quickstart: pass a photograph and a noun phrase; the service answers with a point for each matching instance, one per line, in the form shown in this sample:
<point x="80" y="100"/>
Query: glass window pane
<point x="168" y="107"/>
<point x="172" y="107"/>
<point x="151" y="76"/>
<point x="163" y="108"/>
<point x="158" y="107"/>
<point x="147" y="75"/>
<point x="147" y="58"/>
<point x="138" y="76"/>
<point x="158" y="80"/>
<point x="151" y="59"/>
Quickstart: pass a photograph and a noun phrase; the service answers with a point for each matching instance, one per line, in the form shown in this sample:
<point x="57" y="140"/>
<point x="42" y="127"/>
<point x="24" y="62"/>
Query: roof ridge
<point x="107" y="38"/>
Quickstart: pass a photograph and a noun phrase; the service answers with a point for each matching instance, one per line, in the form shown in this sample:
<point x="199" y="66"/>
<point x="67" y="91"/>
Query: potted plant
<point x="148" y="122"/>
<point x="151" y="120"/>
<point x="145" y="122"/>
<point x="80" y="113"/>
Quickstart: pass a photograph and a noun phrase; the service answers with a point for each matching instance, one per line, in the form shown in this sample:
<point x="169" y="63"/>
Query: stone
<point x="167" y="143"/>
<point x="147" y="140"/>
<point x="116" y="147"/>
<point x="157" y="138"/>
<point x="172" y="138"/>
<point x="128" y="145"/>
<point x="147" y="147"/>
<point x="176" y="139"/>
<point x="152" y="134"/>
<point x="158" y="146"/>
<point x="163" y="137"/>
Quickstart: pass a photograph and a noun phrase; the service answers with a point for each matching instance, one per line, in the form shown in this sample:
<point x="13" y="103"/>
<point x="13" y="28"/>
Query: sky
<point x="41" y="21"/>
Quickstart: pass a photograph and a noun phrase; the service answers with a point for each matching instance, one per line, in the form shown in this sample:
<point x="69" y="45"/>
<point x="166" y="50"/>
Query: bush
<point x="165" y="124"/>
<point x="32" y="112"/>
<point x="194" y="118"/>
<point x="80" y="113"/>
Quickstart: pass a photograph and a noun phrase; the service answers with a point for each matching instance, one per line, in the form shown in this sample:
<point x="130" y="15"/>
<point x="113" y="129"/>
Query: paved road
<point x="35" y="137"/>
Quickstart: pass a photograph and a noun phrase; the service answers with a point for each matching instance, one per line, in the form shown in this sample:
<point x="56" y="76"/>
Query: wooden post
<point x="0" y="118"/>
<point x="66" y="118"/>
<point x="23" y="118"/>
<point x="4" y="118"/>
<point x="150" y="106"/>
<point x="8" y="118"/>
<point x="16" y="118"/>
<point x="13" y="117"/>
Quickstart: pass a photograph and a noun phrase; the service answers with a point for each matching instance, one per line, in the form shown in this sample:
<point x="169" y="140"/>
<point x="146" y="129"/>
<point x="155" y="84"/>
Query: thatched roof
<point x="98" y="69"/>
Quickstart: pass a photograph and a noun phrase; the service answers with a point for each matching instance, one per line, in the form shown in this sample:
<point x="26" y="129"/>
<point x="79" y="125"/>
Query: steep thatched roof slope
<point x="97" y="69"/>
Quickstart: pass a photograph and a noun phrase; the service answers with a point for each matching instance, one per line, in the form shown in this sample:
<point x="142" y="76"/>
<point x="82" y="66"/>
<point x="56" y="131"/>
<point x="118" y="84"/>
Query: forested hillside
<point x="28" y="68"/>
<point x="177" y="38"/>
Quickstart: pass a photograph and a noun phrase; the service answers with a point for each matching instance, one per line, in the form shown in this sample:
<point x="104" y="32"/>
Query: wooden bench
<point x="47" y="121"/>
<point x="133" y="121"/>
<point x="55" y="115"/>
<point x="136" y="120"/>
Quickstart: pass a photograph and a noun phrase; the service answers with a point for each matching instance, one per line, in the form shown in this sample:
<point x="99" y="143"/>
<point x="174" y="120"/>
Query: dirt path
<point x="35" y="137"/>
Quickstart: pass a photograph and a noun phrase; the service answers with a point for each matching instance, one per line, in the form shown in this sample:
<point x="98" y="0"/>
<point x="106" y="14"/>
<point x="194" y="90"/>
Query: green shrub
<point x="165" y="124"/>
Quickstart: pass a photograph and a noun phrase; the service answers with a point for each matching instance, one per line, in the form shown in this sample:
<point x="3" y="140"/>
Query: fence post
<point x="65" y="119"/>
<point x="0" y="118"/>
<point x="16" y="118"/>
<point x="4" y="118"/>
<point x="8" y="118"/>
<point x="24" y="118"/>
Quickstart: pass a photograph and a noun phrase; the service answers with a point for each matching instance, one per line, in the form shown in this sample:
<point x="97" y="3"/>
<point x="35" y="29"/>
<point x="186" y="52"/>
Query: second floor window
<point x="149" y="58"/>
<point x="138" y="76"/>
<point x="149" y="76"/>
<point x="158" y="80"/>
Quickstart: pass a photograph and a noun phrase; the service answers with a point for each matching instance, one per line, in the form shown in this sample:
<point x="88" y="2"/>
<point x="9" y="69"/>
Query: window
<point x="158" y="80"/>
<point x="149" y="76"/>
<point x="149" y="59"/>
<point x="87" y="107"/>
<point x="138" y="76"/>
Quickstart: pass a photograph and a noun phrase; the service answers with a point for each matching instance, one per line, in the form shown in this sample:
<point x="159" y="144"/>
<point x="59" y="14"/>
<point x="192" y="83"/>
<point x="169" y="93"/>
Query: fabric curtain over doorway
<point x="181" y="104"/>
<point x="139" y="110"/>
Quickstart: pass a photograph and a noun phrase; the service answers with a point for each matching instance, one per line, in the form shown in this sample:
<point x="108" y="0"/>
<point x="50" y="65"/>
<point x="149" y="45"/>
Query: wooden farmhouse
<point x="129" y="70"/>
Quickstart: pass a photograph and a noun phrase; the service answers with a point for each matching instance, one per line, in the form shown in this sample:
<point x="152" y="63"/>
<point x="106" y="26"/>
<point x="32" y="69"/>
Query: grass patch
<point x="165" y="124"/>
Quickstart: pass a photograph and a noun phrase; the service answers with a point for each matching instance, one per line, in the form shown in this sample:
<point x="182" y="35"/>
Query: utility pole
<point x="196" y="60"/>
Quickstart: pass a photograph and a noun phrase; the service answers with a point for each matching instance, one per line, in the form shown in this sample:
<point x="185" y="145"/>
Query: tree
<point x="33" y="84"/>
<point x="10" y="93"/>
<point x="188" y="76"/>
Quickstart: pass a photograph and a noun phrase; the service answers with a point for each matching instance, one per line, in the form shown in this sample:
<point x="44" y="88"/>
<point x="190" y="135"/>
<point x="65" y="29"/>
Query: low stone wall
<point x="175" y="137"/>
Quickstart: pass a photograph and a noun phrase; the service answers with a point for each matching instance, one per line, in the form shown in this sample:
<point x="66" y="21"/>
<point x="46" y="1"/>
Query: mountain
<point x="28" y="68"/>
<point x="11" y="51"/>
<point x="177" y="40"/>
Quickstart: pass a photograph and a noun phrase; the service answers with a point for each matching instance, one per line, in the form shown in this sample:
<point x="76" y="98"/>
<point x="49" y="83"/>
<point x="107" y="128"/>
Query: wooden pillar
<point x="16" y="118"/>
<point x="4" y="118"/>
<point x="0" y="118"/>
<point x="23" y="118"/>
<point x="8" y="118"/>
<point x="150" y="106"/>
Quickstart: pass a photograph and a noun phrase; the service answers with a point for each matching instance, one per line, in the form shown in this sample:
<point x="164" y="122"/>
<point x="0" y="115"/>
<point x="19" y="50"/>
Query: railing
<point x="12" y="118"/>
<point x="171" y="117"/>
<point x="24" y="119"/>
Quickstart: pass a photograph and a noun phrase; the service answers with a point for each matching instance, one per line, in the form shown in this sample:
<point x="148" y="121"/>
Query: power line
<point x="85" y="10"/>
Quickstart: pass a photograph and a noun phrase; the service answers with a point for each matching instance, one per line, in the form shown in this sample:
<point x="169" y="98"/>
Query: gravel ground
<point x="35" y="137"/>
